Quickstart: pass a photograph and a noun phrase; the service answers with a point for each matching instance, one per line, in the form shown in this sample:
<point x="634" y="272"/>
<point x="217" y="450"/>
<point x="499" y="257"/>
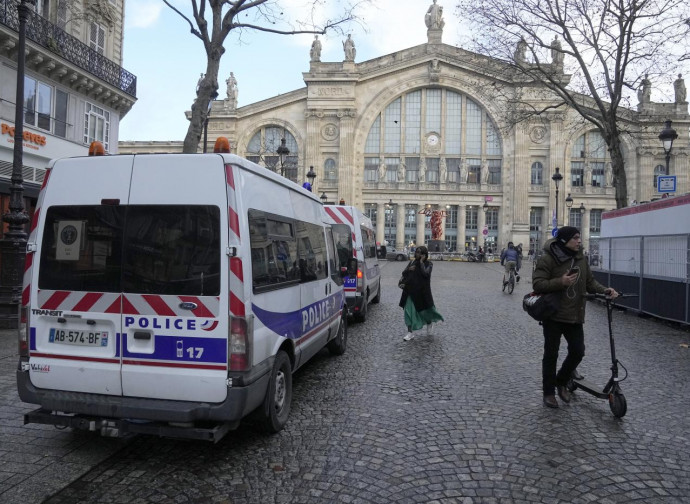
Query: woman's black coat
<point x="418" y="285"/>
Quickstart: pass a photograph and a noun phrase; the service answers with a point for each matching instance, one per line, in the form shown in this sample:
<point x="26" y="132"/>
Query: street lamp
<point x="582" y="209"/>
<point x="208" y="114"/>
<point x="568" y="204"/>
<point x="557" y="177"/>
<point x="485" y="207"/>
<point x="282" y="152"/>
<point x="667" y="136"/>
<point x="323" y="198"/>
<point x="311" y="175"/>
<point x="13" y="246"/>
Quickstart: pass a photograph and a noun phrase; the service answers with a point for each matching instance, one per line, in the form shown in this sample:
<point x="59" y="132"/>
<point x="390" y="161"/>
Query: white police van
<point x="174" y="294"/>
<point x="355" y="237"/>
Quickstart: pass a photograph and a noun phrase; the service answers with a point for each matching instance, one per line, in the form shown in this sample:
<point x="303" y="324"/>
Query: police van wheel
<point x="376" y="299"/>
<point x="362" y="315"/>
<point x="276" y="407"/>
<point x="338" y="344"/>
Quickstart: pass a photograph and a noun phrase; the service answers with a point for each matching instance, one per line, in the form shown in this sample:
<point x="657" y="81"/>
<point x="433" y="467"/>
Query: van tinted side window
<point x="274" y="252"/>
<point x="81" y="248"/>
<point x="172" y="249"/>
<point x="343" y="243"/>
<point x="332" y="258"/>
<point x="312" y="252"/>
<point x="369" y="240"/>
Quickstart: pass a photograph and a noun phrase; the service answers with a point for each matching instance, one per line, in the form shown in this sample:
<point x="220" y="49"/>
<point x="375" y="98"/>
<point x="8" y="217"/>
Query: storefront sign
<point x="31" y="140"/>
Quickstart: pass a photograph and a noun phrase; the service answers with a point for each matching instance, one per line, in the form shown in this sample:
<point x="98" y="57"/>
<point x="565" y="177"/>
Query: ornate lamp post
<point x="282" y="152"/>
<point x="557" y="177"/>
<point x="667" y="136"/>
<point x="311" y="175"/>
<point x="569" y="205"/>
<point x="13" y="246"/>
<point x="323" y="198"/>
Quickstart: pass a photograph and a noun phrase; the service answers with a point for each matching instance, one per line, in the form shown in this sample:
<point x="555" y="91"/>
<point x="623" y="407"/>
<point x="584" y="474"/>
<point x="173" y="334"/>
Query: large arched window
<point x="588" y="160"/>
<point x="263" y="149"/>
<point x="537" y="176"/>
<point x="433" y="136"/>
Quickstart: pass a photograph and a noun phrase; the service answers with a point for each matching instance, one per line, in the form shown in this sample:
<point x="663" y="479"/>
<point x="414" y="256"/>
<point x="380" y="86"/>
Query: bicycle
<point x="510" y="283"/>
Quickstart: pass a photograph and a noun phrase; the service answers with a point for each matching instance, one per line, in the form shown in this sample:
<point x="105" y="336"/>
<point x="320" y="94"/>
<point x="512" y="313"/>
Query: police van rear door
<point x="174" y="329"/>
<point x="75" y="321"/>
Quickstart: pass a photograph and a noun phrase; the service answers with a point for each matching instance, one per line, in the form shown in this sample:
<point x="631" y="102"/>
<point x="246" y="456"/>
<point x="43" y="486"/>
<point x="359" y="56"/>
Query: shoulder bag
<point x="541" y="306"/>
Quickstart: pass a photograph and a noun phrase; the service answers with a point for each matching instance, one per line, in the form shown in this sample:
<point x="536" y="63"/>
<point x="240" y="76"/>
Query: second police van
<point x="356" y="237"/>
<point x="174" y="294"/>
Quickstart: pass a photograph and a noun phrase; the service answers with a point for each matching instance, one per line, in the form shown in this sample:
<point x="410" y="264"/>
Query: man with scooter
<point x="563" y="268"/>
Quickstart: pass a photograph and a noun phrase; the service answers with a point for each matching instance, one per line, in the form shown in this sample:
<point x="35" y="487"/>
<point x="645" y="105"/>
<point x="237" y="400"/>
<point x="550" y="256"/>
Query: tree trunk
<point x="207" y="87"/>
<point x="620" y="180"/>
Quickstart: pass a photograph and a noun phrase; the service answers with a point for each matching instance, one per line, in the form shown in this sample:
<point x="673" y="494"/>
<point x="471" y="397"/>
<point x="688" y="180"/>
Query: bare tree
<point x="590" y="54"/>
<point x="213" y="27"/>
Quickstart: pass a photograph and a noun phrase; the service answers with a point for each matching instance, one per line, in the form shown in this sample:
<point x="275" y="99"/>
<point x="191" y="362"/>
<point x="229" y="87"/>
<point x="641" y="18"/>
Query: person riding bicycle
<point x="510" y="258"/>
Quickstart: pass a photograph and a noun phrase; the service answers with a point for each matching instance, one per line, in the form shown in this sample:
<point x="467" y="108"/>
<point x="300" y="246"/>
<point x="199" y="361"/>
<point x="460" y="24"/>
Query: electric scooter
<point x="612" y="391"/>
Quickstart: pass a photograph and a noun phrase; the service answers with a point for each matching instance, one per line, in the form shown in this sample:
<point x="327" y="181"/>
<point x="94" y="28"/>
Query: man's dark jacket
<point x="551" y="266"/>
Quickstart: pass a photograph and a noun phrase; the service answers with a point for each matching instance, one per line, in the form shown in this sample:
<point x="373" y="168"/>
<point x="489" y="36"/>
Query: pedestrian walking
<point x="416" y="300"/>
<point x="563" y="268"/>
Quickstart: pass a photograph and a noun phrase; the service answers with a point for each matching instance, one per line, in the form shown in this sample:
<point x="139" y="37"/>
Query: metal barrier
<point x="657" y="268"/>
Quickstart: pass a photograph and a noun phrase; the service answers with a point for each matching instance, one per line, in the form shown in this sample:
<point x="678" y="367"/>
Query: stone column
<point x="462" y="215"/>
<point x="400" y="226"/>
<point x="584" y="230"/>
<point x="521" y="183"/>
<point x="380" y="222"/>
<point x="421" y="221"/>
<point x="311" y="148"/>
<point x="481" y="221"/>
<point x="443" y="223"/>
<point x="349" y="177"/>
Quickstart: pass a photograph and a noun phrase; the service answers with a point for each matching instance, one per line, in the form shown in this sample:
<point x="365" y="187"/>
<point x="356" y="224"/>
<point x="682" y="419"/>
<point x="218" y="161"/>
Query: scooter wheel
<point x="570" y="385"/>
<point x="618" y="405"/>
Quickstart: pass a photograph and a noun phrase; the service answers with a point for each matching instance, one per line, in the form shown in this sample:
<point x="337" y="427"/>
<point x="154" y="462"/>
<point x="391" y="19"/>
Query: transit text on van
<point x="50" y="313"/>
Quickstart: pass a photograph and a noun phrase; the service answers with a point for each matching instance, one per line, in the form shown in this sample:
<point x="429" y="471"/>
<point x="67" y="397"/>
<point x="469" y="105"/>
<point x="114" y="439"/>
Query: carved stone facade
<point x="357" y="115"/>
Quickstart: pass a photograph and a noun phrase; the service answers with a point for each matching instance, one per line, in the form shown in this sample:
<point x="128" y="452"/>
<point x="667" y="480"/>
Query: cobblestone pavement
<point x="455" y="417"/>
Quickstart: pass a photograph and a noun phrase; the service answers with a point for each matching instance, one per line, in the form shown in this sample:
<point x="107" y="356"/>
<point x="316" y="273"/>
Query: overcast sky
<point x="168" y="60"/>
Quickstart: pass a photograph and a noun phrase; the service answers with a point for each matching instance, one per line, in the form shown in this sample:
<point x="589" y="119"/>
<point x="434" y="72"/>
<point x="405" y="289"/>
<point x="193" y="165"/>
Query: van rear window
<point x="146" y="249"/>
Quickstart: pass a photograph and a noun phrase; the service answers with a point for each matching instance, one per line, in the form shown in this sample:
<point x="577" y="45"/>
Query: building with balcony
<point x="430" y="127"/>
<point x="75" y="89"/>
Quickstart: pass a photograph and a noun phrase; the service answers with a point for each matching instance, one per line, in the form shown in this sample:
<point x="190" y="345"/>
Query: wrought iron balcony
<point x="56" y="40"/>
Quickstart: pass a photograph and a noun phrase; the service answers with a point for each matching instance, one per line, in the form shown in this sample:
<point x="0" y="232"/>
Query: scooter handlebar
<point x="606" y="297"/>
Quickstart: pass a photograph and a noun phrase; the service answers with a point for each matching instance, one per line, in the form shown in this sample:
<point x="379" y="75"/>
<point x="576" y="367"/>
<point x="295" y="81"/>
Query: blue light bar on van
<point x="110" y="201"/>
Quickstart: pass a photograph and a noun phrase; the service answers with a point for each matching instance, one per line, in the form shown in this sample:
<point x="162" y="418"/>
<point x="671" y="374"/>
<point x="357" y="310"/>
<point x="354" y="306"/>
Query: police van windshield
<point x="156" y="249"/>
<point x="343" y="243"/>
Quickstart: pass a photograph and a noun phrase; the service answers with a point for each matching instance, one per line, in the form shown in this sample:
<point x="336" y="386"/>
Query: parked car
<point x="393" y="254"/>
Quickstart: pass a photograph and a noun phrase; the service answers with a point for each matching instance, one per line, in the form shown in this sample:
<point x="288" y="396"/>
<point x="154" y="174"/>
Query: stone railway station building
<point x="429" y="127"/>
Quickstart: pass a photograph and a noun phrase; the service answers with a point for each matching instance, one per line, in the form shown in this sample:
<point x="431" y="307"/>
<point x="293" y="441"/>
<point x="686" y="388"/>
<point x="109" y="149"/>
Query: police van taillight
<point x="239" y="347"/>
<point x="360" y="280"/>
<point x="23" y="332"/>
